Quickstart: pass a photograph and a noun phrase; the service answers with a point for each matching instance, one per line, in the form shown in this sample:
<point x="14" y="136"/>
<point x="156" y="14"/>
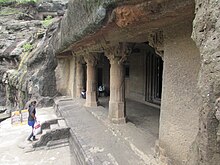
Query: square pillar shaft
<point x="91" y="84"/>
<point x="79" y="78"/>
<point x="117" y="93"/>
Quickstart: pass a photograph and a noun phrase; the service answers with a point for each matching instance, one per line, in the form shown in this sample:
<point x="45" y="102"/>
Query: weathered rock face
<point x="73" y="25"/>
<point x="40" y="75"/>
<point x="24" y="47"/>
<point x="206" y="34"/>
<point x="51" y="6"/>
<point x="14" y="34"/>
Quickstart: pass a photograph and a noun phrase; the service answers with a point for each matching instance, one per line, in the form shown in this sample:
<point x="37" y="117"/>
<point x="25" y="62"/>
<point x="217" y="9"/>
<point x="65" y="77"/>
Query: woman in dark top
<point x="32" y="118"/>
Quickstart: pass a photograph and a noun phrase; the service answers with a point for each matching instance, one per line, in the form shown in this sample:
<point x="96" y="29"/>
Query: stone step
<point x="54" y="126"/>
<point x="57" y="142"/>
<point x="44" y="131"/>
<point x="52" y="135"/>
<point x="62" y="123"/>
<point x="4" y="116"/>
<point x="46" y="124"/>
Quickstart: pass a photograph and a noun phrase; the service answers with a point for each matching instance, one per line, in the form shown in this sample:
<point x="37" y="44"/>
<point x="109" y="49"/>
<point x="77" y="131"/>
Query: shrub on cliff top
<point x="27" y="47"/>
<point x="47" y="21"/>
<point x="26" y="1"/>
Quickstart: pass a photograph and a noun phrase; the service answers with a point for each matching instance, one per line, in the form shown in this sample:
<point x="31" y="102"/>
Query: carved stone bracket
<point x="156" y="40"/>
<point x="118" y="53"/>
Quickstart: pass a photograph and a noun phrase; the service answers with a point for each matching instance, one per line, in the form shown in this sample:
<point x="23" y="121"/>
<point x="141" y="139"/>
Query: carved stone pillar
<point x="79" y="76"/>
<point x="117" y="92"/>
<point x="91" y="84"/>
<point x="116" y="56"/>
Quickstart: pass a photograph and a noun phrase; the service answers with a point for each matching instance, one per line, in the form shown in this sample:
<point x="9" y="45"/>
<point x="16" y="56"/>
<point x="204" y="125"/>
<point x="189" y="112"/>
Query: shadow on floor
<point x="143" y="116"/>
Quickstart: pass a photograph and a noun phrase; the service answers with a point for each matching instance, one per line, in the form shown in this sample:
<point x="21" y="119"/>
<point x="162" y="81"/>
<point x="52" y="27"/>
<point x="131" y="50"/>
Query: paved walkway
<point x="98" y="141"/>
<point x="14" y="148"/>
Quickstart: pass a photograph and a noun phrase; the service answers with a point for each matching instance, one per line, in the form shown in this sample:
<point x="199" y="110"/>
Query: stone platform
<point x="96" y="141"/>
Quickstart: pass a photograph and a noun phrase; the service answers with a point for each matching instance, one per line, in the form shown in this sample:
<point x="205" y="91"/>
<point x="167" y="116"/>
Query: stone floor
<point x="101" y="142"/>
<point x="144" y="117"/>
<point x="15" y="149"/>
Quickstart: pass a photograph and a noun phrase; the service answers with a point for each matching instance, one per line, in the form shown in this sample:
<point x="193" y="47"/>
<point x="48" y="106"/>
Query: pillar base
<point x="78" y="92"/>
<point x="91" y="100"/>
<point x="91" y="104"/>
<point x="118" y="120"/>
<point x="117" y="112"/>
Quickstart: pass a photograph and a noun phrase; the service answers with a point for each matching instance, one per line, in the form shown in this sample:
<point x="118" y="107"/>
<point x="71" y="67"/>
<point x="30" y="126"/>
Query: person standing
<point x="32" y="118"/>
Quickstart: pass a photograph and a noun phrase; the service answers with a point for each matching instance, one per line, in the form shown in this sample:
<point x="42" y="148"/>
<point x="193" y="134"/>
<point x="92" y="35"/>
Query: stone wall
<point x="72" y="78"/>
<point x="62" y="76"/>
<point x="137" y="76"/>
<point x="180" y="101"/>
<point x="206" y="34"/>
<point x="66" y="76"/>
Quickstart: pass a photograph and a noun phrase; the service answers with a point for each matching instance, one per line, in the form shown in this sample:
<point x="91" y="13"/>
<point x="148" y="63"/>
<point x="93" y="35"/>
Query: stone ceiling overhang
<point x="133" y="23"/>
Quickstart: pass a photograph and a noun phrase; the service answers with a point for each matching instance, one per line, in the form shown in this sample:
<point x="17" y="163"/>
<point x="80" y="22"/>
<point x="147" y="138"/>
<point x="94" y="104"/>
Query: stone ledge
<point x="86" y="148"/>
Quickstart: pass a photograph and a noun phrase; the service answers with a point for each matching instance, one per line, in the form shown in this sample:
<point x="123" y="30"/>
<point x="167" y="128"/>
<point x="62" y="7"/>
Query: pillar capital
<point x="91" y="58"/>
<point x="80" y="60"/>
<point x="118" y="53"/>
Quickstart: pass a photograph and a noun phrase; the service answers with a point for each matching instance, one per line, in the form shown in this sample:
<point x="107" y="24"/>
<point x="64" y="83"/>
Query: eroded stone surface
<point x="206" y="35"/>
<point x="24" y="48"/>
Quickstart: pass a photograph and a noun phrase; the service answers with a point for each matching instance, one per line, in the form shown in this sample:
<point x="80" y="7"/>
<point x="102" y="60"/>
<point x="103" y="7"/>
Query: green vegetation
<point x="27" y="47"/>
<point x="18" y="1"/>
<point x="9" y="11"/>
<point x="26" y="1"/>
<point x="5" y="1"/>
<point x="47" y="21"/>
